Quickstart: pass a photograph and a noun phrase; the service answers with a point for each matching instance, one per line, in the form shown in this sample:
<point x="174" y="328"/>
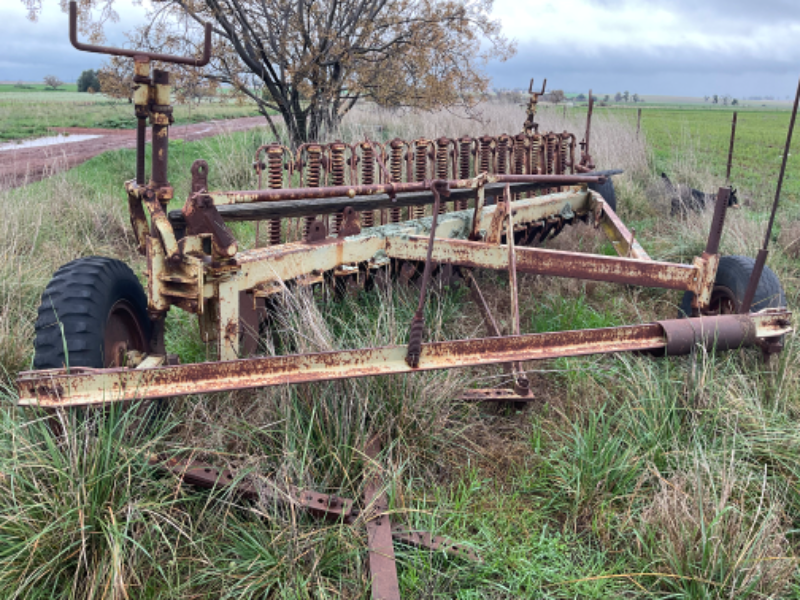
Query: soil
<point x="26" y="165"/>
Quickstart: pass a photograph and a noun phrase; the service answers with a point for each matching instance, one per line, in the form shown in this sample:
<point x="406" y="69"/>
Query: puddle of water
<point x="47" y="141"/>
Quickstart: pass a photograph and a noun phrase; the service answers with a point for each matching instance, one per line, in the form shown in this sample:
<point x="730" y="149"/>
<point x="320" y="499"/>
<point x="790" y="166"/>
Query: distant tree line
<point x="724" y="100"/>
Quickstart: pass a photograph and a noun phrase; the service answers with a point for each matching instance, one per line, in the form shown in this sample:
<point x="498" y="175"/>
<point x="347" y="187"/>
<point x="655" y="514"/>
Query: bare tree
<point x="312" y="61"/>
<point x="53" y="82"/>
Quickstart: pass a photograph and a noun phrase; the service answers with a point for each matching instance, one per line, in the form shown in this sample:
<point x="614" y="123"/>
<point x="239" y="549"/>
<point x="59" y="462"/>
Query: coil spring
<point x="502" y="154"/>
<point x="367" y="178"/>
<point x="313" y="179"/>
<point x="564" y="154"/>
<point x="550" y="153"/>
<point x="442" y="147"/>
<point x="464" y="151"/>
<point x="520" y="157"/>
<point x="396" y="159"/>
<point x="485" y="154"/>
<point x="337" y="176"/>
<point x="275" y="173"/>
<point x="536" y="153"/>
<point x="420" y="173"/>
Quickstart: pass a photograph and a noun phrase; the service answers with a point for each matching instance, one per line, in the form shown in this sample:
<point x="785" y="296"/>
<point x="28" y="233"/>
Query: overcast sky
<point x="674" y="47"/>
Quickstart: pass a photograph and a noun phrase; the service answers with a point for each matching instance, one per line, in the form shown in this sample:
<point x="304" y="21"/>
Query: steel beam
<point x="81" y="387"/>
<point x="556" y="263"/>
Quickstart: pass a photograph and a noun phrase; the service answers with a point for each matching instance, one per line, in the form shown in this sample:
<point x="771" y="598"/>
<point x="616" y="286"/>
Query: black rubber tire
<point x="733" y="275"/>
<point x="606" y="190"/>
<point x="79" y="301"/>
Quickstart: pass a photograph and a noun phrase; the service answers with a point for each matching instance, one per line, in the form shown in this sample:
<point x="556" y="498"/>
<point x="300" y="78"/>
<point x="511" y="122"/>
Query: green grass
<point x="30" y="113"/>
<point x="35" y="88"/>
<point x="630" y="477"/>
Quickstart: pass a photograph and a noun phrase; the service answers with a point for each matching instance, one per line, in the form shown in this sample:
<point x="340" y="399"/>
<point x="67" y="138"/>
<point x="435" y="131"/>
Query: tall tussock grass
<point x="83" y="510"/>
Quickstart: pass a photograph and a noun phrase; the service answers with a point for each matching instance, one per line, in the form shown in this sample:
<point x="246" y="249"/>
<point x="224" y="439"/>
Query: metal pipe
<point x="351" y="191"/>
<point x="168" y="58"/>
<point x="141" y="135"/>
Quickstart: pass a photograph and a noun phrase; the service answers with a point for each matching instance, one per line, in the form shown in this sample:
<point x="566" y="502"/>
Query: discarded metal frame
<point x="508" y="194"/>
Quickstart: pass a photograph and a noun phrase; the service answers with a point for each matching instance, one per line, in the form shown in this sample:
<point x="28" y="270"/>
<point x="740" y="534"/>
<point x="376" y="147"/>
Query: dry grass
<point x="614" y="141"/>
<point x="42" y="227"/>
<point x="714" y="525"/>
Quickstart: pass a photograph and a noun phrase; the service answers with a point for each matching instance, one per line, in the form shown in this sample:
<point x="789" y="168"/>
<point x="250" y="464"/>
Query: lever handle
<point x="168" y="58"/>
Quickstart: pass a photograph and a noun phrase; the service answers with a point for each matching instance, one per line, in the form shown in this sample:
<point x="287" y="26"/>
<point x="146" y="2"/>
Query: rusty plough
<point x="338" y="215"/>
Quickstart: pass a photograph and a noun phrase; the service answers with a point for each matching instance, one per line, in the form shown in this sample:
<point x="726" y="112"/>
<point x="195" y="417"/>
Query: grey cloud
<point x="710" y="13"/>
<point x="33" y="50"/>
<point x="671" y="71"/>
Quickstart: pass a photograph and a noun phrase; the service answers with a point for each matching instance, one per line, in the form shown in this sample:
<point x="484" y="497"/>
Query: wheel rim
<point x="123" y="333"/>
<point x="723" y="302"/>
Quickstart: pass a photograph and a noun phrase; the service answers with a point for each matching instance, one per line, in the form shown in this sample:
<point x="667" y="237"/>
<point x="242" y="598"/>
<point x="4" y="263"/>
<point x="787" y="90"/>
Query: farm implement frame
<point x="339" y="217"/>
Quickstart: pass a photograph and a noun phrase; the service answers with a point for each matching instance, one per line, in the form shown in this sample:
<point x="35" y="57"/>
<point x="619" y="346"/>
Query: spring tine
<point x="367" y="177"/>
<point x="502" y="154"/>
<point x="337" y="158"/>
<point x="275" y="166"/>
<point x="444" y="154"/>
<point x="486" y="147"/>
<point x="465" y="149"/>
<point x="422" y="148"/>
<point x="398" y="155"/>
<point x="311" y="175"/>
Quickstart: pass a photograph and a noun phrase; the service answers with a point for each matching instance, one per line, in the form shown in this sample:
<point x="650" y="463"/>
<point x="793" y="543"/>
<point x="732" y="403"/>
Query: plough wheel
<point x="606" y="190"/>
<point x="730" y="285"/>
<point x="93" y="311"/>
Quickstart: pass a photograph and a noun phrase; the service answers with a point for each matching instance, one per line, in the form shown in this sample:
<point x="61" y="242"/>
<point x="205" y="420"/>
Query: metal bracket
<point x="167" y="58"/>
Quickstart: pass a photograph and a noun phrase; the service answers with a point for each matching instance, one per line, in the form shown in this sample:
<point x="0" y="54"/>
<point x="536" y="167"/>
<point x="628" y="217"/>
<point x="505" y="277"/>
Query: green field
<point x="30" y="113"/>
<point x="631" y="477"/>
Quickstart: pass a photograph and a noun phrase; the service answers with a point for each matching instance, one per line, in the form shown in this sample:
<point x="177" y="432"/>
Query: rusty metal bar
<point x="321" y="206"/>
<point x="730" y="148"/>
<point x="382" y="565"/>
<point x="416" y="329"/>
<point x="718" y="221"/>
<point x="574" y="265"/>
<point x="56" y="388"/>
<point x="168" y="58"/>
<point x="424" y="539"/>
<point x="208" y="476"/>
<point x="351" y="191"/>
<point x="141" y="133"/>
<point x="761" y="259"/>
<point x="521" y="382"/>
<point x="620" y="236"/>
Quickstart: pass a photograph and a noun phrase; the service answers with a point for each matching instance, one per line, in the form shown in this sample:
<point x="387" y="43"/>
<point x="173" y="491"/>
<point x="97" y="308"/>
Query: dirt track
<point x="26" y="165"/>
